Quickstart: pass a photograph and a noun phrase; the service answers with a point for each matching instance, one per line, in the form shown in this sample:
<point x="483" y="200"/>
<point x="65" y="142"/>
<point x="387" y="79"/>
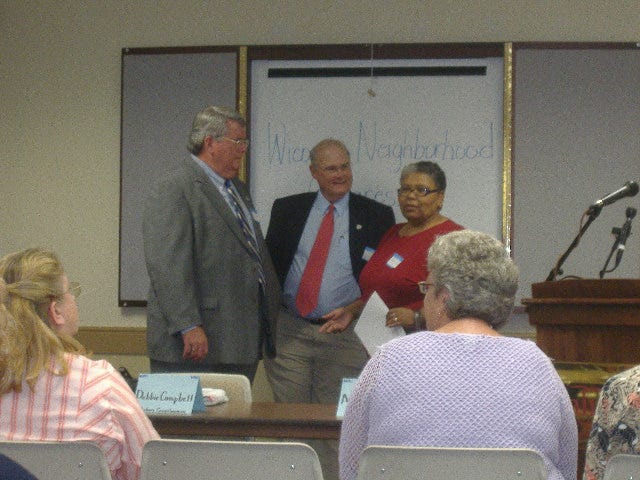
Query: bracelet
<point x="417" y="320"/>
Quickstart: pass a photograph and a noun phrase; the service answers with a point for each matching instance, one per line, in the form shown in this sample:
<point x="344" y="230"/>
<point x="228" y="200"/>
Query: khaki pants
<point x="309" y="368"/>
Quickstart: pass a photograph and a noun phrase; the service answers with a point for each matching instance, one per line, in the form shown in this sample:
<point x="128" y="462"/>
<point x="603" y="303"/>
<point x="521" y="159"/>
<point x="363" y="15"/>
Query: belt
<point x="314" y="321"/>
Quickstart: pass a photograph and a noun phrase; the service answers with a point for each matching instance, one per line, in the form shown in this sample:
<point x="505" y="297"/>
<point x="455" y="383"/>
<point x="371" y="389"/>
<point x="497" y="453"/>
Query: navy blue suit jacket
<point x="368" y="221"/>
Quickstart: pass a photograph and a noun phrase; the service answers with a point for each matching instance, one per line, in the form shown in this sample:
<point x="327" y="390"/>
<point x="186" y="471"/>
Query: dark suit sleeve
<point x="277" y="240"/>
<point x="369" y="222"/>
<point x="288" y="219"/>
<point x="387" y="220"/>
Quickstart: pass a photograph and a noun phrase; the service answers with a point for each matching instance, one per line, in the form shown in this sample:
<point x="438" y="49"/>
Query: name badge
<point x="367" y="254"/>
<point x="394" y="261"/>
<point x="165" y="393"/>
<point x="345" y="391"/>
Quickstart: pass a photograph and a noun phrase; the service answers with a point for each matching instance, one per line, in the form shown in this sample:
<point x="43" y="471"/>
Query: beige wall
<point x="60" y="95"/>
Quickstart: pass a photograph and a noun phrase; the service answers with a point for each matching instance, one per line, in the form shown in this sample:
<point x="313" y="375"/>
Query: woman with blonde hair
<point x="50" y="391"/>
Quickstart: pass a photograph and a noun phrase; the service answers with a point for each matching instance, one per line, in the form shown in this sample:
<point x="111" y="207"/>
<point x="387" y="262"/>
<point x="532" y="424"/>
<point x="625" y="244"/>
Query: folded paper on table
<point x="214" y="396"/>
<point x="371" y="326"/>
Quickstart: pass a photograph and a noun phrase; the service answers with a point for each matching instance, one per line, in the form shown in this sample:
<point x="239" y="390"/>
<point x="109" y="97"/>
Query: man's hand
<point x="196" y="344"/>
<point x="336" y="320"/>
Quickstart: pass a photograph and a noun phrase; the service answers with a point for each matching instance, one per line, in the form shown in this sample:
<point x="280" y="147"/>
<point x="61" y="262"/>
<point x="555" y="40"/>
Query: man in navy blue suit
<point x="310" y="365"/>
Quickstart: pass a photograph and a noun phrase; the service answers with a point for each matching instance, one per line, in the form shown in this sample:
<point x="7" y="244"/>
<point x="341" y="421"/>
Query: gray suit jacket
<point x="202" y="273"/>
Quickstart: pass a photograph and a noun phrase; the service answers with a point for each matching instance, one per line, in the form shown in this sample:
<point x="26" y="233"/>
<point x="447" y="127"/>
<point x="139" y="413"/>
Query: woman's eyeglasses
<point x="424" y="286"/>
<point x="74" y="289"/>
<point x="419" y="191"/>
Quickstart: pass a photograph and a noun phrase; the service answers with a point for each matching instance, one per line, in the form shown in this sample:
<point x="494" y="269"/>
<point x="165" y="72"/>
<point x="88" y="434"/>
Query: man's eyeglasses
<point x="74" y="289"/>
<point x="419" y="191"/>
<point x="336" y="168"/>
<point x="424" y="286"/>
<point x="242" y="142"/>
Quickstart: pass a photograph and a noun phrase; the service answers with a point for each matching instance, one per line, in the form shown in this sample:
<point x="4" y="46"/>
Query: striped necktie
<point x="249" y="236"/>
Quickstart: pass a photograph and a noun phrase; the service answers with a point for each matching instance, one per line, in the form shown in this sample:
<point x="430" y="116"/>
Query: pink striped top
<point x="92" y="402"/>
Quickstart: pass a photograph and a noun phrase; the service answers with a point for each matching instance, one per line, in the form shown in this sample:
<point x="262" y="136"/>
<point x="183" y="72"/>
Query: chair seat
<point x="413" y="463"/>
<point x="59" y="460"/>
<point x="224" y="460"/>
<point x="622" y="467"/>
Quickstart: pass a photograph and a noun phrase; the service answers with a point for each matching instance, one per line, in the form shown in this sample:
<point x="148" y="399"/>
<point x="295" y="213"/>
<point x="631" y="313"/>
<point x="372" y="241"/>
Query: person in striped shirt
<point x="49" y="389"/>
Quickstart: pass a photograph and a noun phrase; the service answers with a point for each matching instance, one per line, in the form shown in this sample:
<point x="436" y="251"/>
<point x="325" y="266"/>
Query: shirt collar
<point x="213" y="176"/>
<point x="341" y="205"/>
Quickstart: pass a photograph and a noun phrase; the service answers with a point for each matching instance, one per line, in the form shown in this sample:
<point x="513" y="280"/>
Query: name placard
<point x="345" y="391"/>
<point x="164" y="393"/>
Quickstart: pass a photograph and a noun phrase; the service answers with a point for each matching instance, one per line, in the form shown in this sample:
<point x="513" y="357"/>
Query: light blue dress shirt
<point x="219" y="182"/>
<point x="339" y="286"/>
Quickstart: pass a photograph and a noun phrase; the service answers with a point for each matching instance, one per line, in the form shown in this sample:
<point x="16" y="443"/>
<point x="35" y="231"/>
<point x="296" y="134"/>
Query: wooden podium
<point x="587" y="320"/>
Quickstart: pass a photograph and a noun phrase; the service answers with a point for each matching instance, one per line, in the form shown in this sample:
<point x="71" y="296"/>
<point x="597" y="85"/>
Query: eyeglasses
<point x="336" y="168"/>
<point x="424" y="286"/>
<point x="74" y="289"/>
<point x="419" y="191"/>
<point x="242" y="142"/>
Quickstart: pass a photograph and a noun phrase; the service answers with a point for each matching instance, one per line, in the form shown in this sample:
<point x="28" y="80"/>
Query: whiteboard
<point x="454" y="120"/>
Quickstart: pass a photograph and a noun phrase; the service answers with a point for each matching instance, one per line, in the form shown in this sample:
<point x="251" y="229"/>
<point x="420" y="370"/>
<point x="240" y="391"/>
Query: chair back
<point x="622" y="467"/>
<point x="58" y="460"/>
<point x="237" y="387"/>
<point x="223" y="460"/>
<point x="413" y="463"/>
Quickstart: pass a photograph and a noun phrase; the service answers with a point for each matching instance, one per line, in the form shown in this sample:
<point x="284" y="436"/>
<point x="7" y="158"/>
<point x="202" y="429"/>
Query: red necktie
<point x="307" y="298"/>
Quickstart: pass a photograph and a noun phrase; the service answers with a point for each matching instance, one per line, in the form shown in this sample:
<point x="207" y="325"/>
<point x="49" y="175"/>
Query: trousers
<point x="309" y="368"/>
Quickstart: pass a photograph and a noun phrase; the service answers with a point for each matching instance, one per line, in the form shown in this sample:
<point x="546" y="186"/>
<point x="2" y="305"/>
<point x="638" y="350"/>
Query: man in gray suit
<point x="214" y="295"/>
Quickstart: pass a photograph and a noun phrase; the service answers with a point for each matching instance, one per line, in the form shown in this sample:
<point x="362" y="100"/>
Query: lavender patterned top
<point x="459" y="390"/>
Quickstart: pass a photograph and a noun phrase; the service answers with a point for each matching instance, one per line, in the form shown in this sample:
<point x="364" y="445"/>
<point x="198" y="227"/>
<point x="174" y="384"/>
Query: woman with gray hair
<point x="461" y="383"/>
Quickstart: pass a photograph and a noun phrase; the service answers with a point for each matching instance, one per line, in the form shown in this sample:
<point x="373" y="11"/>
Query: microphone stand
<point x="592" y="212"/>
<point x="616" y="232"/>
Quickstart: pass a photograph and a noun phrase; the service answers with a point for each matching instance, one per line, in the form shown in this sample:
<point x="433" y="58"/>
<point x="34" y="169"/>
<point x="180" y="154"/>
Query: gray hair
<point x="478" y="274"/>
<point x="211" y="121"/>
<point x="322" y="144"/>
<point x="428" y="168"/>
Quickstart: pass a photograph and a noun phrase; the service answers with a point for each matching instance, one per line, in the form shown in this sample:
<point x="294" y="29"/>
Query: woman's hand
<point x="337" y="320"/>
<point x="400" y="317"/>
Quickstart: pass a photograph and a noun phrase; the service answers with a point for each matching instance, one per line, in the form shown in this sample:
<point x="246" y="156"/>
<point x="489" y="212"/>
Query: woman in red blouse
<point x="399" y="263"/>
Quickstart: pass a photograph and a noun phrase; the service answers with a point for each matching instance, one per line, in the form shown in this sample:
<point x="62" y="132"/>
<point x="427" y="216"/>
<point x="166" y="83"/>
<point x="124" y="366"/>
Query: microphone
<point x="625" y="232"/>
<point x="628" y="190"/>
